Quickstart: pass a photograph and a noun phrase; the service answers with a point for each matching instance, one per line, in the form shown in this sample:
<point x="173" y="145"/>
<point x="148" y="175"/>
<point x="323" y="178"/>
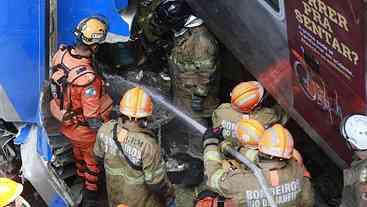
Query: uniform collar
<point x="272" y="164"/>
<point x="134" y="128"/>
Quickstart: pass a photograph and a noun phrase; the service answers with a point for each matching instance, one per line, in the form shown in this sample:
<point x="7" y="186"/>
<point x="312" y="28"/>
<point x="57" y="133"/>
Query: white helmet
<point x="354" y="130"/>
<point x="193" y="21"/>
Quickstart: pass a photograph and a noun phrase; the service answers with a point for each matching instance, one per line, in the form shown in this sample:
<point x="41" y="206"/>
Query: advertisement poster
<point x="327" y="54"/>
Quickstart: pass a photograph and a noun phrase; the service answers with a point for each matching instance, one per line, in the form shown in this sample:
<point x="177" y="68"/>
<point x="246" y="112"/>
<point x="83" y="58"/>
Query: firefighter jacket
<point x="79" y="99"/>
<point x="193" y="63"/>
<point x="226" y="117"/>
<point x="137" y="175"/>
<point x="286" y="179"/>
<point x="355" y="191"/>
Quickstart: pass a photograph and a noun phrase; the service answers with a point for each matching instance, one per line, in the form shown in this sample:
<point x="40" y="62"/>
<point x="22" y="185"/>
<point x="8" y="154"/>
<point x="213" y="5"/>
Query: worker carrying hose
<point x="354" y="130"/>
<point x="135" y="170"/>
<point x="79" y="101"/>
<point x="246" y="100"/>
<point x="235" y="185"/>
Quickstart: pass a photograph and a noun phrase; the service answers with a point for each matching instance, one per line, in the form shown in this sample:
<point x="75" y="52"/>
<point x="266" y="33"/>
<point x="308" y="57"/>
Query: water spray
<point x="160" y="99"/>
<point x="257" y="171"/>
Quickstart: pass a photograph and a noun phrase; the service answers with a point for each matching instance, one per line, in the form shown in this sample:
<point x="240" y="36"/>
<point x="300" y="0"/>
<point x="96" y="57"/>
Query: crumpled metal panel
<point x="53" y="191"/>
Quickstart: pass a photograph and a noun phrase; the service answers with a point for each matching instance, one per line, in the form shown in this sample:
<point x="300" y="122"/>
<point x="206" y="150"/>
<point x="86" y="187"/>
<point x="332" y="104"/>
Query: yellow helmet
<point x="277" y="142"/>
<point x="91" y="30"/>
<point x="246" y="96"/>
<point x="9" y="191"/>
<point x="136" y="103"/>
<point x="248" y="132"/>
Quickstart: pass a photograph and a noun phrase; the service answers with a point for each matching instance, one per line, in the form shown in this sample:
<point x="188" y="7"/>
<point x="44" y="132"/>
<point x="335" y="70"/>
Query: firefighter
<point x="193" y="64"/>
<point x="239" y="187"/>
<point x="135" y="170"/>
<point x="79" y="101"/>
<point x="354" y="130"/>
<point x="10" y="194"/>
<point x="246" y="99"/>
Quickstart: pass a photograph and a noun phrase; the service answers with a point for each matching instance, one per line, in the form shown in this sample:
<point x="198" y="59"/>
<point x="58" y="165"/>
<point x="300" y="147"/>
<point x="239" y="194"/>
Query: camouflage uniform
<point x="145" y="187"/>
<point x="226" y="117"/>
<point x="355" y="192"/>
<point x="288" y="184"/>
<point x="193" y="67"/>
<point x="193" y="63"/>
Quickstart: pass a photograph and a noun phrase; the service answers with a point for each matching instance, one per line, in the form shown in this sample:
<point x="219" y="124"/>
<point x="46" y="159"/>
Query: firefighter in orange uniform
<point x="79" y="101"/>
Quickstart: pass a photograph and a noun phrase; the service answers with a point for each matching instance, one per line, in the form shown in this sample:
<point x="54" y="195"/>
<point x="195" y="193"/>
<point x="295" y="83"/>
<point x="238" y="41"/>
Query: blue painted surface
<point x="22" y="55"/>
<point x="120" y="4"/>
<point x="43" y="146"/>
<point x="70" y="12"/>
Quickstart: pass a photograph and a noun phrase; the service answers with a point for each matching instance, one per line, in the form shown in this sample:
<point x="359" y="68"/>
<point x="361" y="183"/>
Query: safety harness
<point x="77" y="74"/>
<point x="118" y="144"/>
<point x="63" y="80"/>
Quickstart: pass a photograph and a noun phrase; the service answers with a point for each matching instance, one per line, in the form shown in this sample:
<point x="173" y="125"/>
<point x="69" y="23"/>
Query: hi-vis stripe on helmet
<point x="277" y="142"/>
<point x="136" y="103"/>
<point x="246" y="96"/>
<point x="248" y="132"/>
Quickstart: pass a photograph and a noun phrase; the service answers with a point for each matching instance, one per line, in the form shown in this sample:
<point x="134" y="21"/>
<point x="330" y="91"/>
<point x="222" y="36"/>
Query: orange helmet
<point x="91" y="30"/>
<point x="297" y="156"/>
<point x="136" y="103"/>
<point x="277" y="142"/>
<point x="248" y="132"/>
<point x="246" y="96"/>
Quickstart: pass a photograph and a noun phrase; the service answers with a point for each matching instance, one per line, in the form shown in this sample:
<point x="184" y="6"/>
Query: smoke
<point x="161" y="100"/>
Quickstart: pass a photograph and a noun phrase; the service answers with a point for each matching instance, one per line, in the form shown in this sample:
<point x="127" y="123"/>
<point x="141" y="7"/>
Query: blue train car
<point x="27" y="42"/>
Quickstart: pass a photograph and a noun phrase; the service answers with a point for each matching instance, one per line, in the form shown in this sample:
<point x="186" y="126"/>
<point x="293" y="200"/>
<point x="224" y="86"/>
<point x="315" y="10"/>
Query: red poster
<point x="327" y="54"/>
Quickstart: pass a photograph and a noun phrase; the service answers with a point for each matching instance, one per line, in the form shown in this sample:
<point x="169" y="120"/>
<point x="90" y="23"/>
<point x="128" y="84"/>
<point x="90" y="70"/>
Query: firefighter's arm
<point x="91" y="102"/>
<point x="307" y="194"/>
<point x="155" y="176"/>
<point x="212" y="159"/>
<point x="102" y="134"/>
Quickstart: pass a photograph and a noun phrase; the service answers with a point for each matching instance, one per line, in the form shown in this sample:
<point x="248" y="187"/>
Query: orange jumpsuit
<point x="81" y="99"/>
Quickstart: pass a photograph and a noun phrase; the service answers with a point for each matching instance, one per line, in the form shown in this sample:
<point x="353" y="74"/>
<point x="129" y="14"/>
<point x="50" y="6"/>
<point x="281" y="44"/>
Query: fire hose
<point x="257" y="172"/>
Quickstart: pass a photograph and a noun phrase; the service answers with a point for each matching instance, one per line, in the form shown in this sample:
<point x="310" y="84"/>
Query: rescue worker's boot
<point x="89" y="198"/>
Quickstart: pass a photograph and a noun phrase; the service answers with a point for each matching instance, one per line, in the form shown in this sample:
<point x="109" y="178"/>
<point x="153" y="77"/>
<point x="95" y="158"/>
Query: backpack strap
<point x="118" y="144"/>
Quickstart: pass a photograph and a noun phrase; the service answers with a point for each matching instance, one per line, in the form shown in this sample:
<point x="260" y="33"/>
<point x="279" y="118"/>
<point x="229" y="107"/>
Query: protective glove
<point x="212" y="136"/>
